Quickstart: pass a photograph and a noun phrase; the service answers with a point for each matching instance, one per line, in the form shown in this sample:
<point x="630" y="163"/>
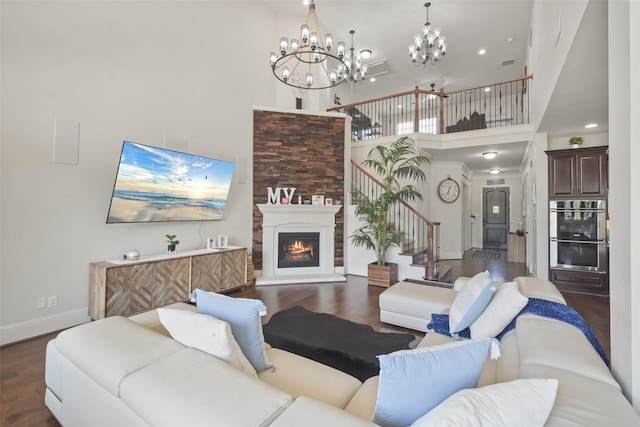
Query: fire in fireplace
<point x="298" y="250"/>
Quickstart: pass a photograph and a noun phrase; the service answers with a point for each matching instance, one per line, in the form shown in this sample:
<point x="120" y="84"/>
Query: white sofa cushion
<point x="535" y="287"/>
<point x="206" y="333"/>
<point x="110" y="349"/>
<point x="182" y="388"/>
<point x="522" y="403"/>
<point x="551" y="342"/>
<point x="582" y="401"/>
<point x="299" y="376"/>
<point x="505" y="305"/>
<point x="363" y="403"/>
<point x="312" y="413"/>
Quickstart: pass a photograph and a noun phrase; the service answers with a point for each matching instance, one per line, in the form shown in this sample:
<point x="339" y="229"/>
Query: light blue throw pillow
<point x="470" y="302"/>
<point x="243" y="315"/>
<point x="412" y="382"/>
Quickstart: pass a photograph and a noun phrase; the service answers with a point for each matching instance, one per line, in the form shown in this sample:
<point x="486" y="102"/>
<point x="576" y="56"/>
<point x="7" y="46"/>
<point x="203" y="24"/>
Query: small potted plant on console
<point x="171" y="239"/>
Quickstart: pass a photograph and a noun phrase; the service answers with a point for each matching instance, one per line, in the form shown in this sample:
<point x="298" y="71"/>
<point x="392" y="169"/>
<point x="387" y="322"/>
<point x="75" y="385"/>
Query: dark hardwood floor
<point x="22" y="364"/>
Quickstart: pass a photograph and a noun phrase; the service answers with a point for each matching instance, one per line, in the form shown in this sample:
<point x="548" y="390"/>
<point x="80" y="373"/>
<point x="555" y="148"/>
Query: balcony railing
<point x="429" y="111"/>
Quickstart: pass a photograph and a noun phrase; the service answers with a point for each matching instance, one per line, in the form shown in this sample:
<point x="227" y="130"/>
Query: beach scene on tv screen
<point x="155" y="184"/>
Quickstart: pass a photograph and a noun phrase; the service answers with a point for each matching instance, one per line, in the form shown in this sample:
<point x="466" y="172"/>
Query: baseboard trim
<point x="42" y="325"/>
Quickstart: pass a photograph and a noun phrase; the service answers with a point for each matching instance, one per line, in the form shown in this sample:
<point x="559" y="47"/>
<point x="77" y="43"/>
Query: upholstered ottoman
<point x="411" y="304"/>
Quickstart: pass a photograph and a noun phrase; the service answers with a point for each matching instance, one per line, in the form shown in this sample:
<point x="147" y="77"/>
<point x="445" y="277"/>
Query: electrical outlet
<point x="41" y="302"/>
<point x="52" y="301"/>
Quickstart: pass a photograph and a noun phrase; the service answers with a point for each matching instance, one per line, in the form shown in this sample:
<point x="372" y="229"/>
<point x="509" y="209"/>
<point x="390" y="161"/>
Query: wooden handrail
<point x="409" y="207"/>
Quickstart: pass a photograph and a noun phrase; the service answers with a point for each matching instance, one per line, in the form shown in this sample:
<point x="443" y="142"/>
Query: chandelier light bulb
<point x="285" y="73"/>
<point x="294" y="45"/>
<point x="304" y="33"/>
<point x="309" y="79"/>
<point x="272" y="58"/>
<point x="313" y="40"/>
<point x="328" y="41"/>
<point x="284" y="45"/>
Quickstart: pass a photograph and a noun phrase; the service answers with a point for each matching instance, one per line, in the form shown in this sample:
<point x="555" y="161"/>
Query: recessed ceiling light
<point x="372" y="79"/>
<point x="591" y="125"/>
<point x="494" y="171"/>
<point x="489" y="155"/>
<point x="399" y="106"/>
<point x="510" y="40"/>
<point x="482" y="51"/>
<point x="365" y="53"/>
<point x="487" y="89"/>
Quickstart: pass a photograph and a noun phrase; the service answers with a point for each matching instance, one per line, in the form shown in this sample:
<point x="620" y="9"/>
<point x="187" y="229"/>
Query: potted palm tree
<point x="400" y="161"/>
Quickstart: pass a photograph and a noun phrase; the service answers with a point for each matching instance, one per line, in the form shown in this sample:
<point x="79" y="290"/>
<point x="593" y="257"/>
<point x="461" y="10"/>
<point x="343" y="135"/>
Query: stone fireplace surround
<point x="278" y="218"/>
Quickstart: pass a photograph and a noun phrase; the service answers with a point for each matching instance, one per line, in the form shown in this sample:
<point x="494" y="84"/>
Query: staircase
<point x="418" y="257"/>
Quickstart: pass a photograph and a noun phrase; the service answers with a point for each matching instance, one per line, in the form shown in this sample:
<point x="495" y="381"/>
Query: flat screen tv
<point x="155" y="185"/>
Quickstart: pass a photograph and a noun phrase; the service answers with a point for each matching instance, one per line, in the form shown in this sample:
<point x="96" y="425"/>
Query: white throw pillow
<point x="506" y="303"/>
<point x="522" y="403"/>
<point x="470" y="302"/>
<point x="206" y="333"/>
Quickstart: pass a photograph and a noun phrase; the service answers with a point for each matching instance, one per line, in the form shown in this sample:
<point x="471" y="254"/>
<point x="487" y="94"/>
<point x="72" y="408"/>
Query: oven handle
<point x="593" y="242"/>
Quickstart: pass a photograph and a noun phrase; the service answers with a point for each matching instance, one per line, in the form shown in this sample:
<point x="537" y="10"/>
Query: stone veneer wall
<point x="301" y="151"/>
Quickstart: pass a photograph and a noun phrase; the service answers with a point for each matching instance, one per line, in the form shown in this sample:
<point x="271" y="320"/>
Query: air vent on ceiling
<point x="495" y="181"/>
<point x="508" y="62"/>
<point x="378" y="68"/>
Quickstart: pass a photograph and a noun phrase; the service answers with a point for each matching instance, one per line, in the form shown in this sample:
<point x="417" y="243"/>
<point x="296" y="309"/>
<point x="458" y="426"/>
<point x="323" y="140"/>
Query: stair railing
<point x="421" y="236"/>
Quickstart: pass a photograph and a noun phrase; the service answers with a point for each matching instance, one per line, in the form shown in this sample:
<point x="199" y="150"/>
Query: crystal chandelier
<point x="308" y="62"/>
<point x="354" y="70"/>
<point x="429" y="46"/>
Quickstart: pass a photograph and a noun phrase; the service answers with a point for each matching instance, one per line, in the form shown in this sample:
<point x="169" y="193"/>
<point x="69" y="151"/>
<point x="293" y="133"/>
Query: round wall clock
<point x="448" y="190"/>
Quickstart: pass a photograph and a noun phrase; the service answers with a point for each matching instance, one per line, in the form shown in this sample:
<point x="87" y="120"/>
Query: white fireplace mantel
<point x="298" y="218"/>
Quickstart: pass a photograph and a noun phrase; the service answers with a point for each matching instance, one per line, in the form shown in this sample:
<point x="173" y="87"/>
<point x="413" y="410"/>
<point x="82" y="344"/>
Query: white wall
<point x="553" y="27"/>
<point x="123" y="70"/>
<point x="624" y="197"/>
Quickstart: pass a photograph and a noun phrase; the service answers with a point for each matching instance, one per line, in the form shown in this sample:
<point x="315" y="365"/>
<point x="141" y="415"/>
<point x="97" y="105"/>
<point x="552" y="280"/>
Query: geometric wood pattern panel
<point x="230" y="271"/>
<point x="206" y="272"/>
<point x="171" y="282"/>
<point x="124" y="289"/>
<point x="122" y="297"/>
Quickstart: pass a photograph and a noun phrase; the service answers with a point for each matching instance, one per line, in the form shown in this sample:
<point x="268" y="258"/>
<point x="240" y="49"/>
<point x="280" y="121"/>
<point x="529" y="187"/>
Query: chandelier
<point x="429" y="46"/>
<point x="308" y="62"/>
<point x="355" y="70"/>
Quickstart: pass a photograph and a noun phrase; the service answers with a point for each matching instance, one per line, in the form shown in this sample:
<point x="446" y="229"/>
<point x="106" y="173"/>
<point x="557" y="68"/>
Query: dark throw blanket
<point x="344" y="345"/>
<point x="553" y="310"/>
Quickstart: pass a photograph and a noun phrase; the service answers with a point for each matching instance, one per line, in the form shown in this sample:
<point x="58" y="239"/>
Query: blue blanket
<point x="553" y="310"/>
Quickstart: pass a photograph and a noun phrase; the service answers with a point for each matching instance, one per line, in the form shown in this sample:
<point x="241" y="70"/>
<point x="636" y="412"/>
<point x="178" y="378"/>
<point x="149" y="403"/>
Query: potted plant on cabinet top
<point x="400" y="161"/>
<point x="171" y="239"/>
<point x="576" y="141"/>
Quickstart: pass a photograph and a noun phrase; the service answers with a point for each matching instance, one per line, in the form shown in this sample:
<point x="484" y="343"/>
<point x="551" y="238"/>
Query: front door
<point x="495" y="226"/>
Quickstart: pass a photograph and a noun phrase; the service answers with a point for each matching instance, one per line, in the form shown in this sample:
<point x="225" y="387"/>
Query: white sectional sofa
<point x="129" y="372"/>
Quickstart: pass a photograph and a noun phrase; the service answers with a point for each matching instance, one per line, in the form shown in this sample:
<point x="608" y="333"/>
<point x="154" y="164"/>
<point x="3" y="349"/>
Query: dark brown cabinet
<point x="578" y="186"/>
<point x="578" y="173"/>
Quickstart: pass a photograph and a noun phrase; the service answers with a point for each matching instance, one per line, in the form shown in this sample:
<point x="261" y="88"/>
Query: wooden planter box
<point x="382" y="275"/>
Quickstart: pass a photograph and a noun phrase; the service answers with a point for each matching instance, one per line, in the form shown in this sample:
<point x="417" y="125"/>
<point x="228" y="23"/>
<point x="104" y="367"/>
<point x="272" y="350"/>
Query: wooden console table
<point x="120" y="288"/>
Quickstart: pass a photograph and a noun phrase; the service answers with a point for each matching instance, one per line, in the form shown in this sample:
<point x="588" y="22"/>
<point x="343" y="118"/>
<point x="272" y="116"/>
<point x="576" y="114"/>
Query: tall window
<point x="428" y="125"/>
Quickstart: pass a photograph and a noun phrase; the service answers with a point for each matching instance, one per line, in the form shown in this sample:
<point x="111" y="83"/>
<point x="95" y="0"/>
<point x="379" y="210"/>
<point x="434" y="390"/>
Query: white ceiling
<point x="499" y="26"/>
